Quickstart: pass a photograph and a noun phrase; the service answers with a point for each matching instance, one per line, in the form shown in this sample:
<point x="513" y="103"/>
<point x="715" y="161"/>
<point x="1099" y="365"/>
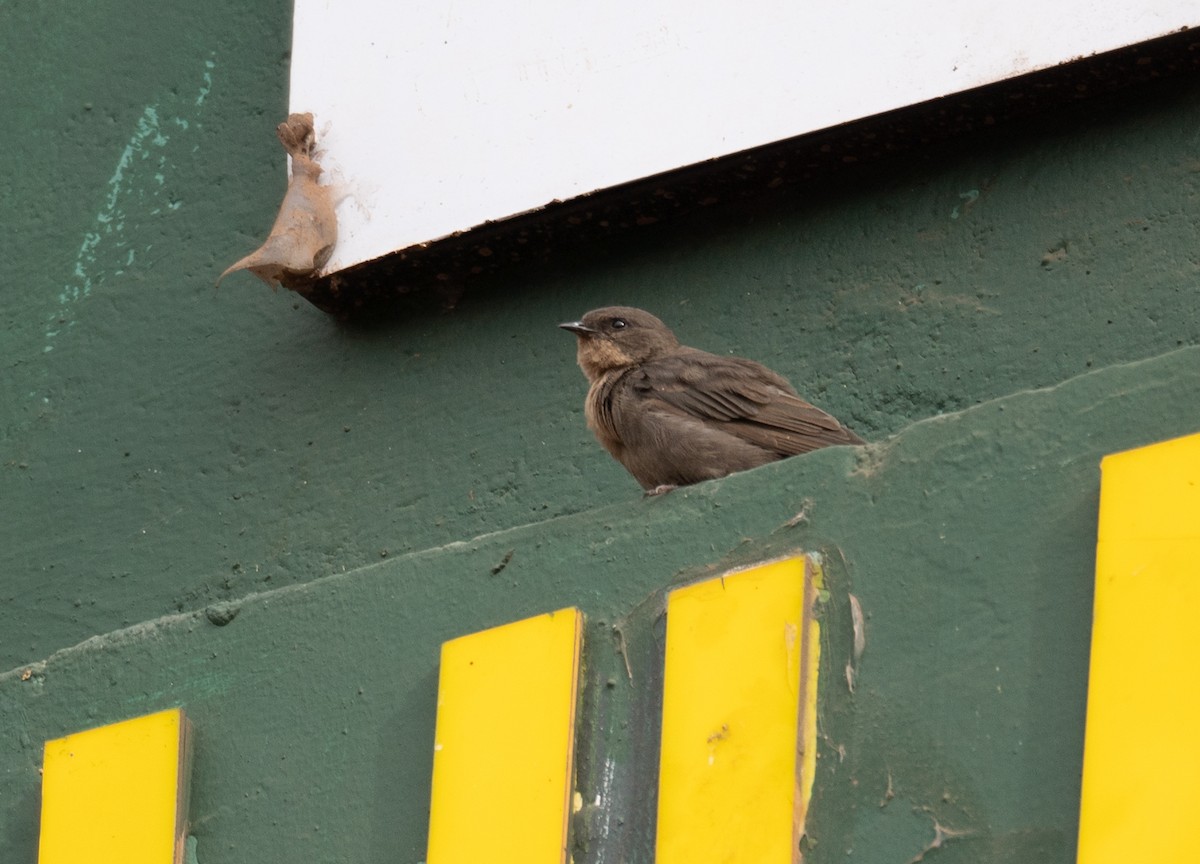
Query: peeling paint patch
<point x="941" y="835"/>
<point x="140" y="175"/>
<point x="860" y="641"/>
<point x="604" y="800"/>
<point x="969" y="197"/>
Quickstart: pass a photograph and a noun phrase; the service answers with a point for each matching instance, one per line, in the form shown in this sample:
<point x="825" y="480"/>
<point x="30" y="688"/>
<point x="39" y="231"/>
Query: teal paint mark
<point x="139" y="176"/>
<point x="969" y="198"/>
<point x="201" y="686"/>
<point x="109" y="224"/>
<point x="206" y="87"/>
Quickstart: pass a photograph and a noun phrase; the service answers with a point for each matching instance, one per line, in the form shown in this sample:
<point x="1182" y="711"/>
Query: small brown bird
<point x="674" y="415"/>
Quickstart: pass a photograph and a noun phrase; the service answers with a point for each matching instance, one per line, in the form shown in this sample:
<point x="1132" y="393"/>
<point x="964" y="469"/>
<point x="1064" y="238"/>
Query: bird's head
<point x="618" y="336"/>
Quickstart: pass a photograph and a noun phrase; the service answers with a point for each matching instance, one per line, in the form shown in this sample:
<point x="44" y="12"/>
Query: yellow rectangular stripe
<point x="503" y="766"/>
<point x="1140" y="798"/>
<point x="117" y="794"/>
<point x="739" y="712"/>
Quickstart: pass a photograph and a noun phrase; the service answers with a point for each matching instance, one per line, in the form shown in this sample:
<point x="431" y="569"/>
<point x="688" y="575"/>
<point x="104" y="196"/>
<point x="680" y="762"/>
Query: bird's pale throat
<point x="597" y="356"/>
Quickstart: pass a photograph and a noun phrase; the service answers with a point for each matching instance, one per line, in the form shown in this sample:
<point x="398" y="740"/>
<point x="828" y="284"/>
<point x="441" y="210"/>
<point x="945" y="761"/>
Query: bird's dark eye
<point x="619" y="324"/>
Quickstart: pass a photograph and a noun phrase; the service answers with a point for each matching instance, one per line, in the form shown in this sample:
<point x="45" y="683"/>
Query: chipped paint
<point x="968" y="198"/>
<point x="941" y="835"/>
<point x="860" y="641"/>
<point x="604" y="798"/>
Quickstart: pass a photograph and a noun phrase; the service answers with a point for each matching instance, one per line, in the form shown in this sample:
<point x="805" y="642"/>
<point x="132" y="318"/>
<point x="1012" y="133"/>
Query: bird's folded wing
<point x="748" y="400"/>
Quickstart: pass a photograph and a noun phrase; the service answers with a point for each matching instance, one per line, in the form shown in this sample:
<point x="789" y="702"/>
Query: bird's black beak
<point x="578" y="328"/>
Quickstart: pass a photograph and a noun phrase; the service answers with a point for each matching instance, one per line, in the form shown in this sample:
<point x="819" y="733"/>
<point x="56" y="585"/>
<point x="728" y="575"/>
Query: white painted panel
<point x="439" y="115"/>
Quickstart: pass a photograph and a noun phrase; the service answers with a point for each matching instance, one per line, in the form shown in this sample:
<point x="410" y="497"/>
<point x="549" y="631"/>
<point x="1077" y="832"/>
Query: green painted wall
<point x="165" y="448"/>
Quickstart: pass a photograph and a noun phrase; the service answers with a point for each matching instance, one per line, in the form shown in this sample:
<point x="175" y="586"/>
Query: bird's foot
<point x="660" y="490"/>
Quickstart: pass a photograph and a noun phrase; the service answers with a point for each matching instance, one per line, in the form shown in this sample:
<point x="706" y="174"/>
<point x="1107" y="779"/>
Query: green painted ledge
<point x="968" y="538"/>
